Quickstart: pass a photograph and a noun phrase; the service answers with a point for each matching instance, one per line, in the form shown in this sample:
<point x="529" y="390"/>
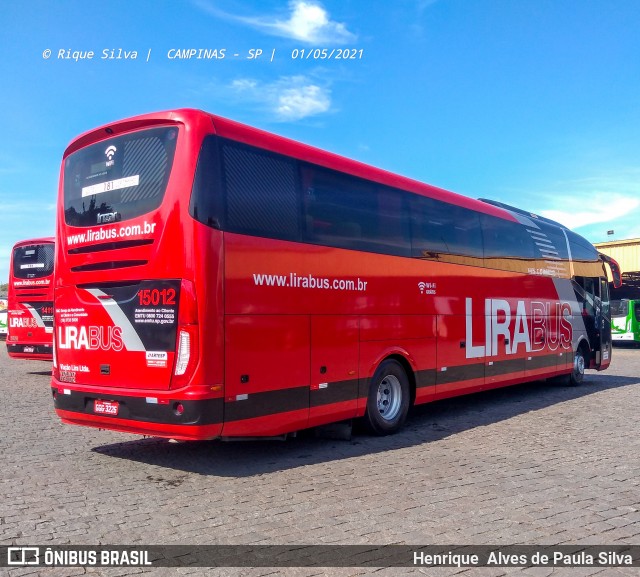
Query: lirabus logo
<point x="90" y="338"/>
<point x="534" y="327"/>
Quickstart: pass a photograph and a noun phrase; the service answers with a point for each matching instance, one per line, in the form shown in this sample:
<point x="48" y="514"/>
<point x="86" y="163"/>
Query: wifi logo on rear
<point x="111" y="150"/>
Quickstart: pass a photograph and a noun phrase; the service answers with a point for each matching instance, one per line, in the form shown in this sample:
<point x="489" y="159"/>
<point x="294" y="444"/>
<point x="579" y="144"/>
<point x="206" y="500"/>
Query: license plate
<point x="29" y="349"/>
<point x="105" y="407"/>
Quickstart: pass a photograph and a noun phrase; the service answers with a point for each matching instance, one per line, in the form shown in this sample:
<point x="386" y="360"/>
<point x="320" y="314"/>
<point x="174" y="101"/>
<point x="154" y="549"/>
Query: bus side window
<point x="581" y="250"/>
<point x="505" y="239"/>
<point x="352" y="213"/>
<point x="442" y="228"/>
<point x="554" y="243"/>
<point x="261" y="192"/>
<point x="206" y="203"/>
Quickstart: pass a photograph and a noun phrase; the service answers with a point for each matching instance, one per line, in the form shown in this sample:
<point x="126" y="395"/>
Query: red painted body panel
<point x="281" y="335"/>
<point x="30" y="311"/>
<point x="333" y="380"/>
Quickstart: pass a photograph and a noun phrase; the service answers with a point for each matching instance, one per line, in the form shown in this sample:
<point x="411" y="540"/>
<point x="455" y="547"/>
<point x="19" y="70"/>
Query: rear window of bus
<point x="33" y="261"/>
<point x="119" y="178"/>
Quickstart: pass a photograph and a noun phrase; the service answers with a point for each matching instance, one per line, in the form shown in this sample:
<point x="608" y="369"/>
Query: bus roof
<point x="279" y="144"/>
<point x="526" y="213"/>
<point x="29" y="241"/>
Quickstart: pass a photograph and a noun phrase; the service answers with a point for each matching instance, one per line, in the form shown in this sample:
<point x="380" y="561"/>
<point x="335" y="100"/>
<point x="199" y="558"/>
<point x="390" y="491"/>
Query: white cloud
<point x="592" y="205"/>
<point x="307" y="22"/>
<point x="289" y="99"/>
<point x="302" y="101"/>
<point x="244" y="84"/>
<point x="593" y="209"/>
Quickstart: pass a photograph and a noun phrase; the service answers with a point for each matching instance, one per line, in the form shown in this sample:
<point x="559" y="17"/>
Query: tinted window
<point x="588" y="289"/>
<point x="605" y="298"/>
<point x="503" y="238"/>
<point x="581" y="249"/>
<point x="206" y="198"/>
<point x="33" y="261"/>
<point x="619" y="308"/>
<point x="439" y="227"/>
<point x="348" y="212"/>
<point x="550" y="248"/>
<point x="261" y="192"/>
<point x="119" y="178"/>
<point x="550" y="242"/>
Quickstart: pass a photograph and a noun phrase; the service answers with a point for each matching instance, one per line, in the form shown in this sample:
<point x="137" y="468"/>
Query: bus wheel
<point x="388" y="401"/>
<point x="579" y="363"/>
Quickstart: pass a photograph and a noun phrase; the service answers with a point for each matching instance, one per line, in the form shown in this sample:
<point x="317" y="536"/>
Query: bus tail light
<point x="184" y="352"/>
<point x="186" y="355"/>
<point x="53" y="352"/>
<point x="187" y="337"/>
<point x="55" y="373"/>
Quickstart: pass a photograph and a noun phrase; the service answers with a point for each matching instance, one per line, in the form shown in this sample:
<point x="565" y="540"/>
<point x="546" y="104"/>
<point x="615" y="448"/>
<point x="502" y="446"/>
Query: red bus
<point x="30" y="307"/>
<point x="215" y="281"/>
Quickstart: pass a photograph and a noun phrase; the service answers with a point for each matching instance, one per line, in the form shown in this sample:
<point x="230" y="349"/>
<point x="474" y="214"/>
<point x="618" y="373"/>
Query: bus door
<point x="605" y="325"/>
<point x="593" y="299"/>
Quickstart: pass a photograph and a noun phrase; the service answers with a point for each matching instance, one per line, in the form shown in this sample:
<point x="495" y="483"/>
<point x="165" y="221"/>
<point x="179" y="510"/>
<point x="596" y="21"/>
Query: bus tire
<point x="576" y="376"/>
<point x="388" y="400"/>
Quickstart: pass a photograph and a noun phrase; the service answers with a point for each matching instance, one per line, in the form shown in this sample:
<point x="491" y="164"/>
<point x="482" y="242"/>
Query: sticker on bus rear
<point x="123" y="333"/>
<point x="134" y="317"/>
<point x="157" y="359"/>
<point x="111" y="185"/>
<point x="32" y="315"/>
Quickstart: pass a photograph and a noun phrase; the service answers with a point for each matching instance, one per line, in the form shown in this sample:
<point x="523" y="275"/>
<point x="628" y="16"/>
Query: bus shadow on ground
<point x="426" y="424"/>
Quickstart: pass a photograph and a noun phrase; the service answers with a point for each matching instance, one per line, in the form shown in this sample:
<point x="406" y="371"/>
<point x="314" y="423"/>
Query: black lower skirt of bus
<point x="203" y="412"/>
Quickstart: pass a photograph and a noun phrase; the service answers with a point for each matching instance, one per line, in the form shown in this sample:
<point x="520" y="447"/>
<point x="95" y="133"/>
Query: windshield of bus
<point x="33" y="261"/>
<point x="119" y="178"/>
<point x="619" y="308"/>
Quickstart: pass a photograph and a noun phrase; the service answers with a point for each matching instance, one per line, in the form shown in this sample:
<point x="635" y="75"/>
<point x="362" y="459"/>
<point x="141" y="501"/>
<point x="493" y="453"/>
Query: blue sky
<point x="532" y="102"/>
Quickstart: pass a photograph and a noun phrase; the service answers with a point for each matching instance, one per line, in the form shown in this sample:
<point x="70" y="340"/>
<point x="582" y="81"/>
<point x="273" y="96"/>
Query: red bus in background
<point x="214" y="280"/>
<point x="30" y="307"/>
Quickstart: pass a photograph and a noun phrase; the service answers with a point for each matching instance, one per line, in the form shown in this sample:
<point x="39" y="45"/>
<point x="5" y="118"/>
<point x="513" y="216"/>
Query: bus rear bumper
<point x="625" y="337"/>
<point x="183" y="419"/>
<point x="34" y="352"/>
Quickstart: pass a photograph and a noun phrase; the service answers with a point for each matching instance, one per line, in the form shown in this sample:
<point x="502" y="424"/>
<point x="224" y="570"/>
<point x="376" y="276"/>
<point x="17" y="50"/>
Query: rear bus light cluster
<point x="184" y="352"/>
<point x="187" y="339"/>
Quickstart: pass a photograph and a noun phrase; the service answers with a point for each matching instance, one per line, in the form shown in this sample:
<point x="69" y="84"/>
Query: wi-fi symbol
<point x="422" y="286"/>
<point x="111" y="150"/>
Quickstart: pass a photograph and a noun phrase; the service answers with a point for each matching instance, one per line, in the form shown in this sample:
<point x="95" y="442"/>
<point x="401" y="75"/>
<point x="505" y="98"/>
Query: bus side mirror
<point x="614" y="268"/>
